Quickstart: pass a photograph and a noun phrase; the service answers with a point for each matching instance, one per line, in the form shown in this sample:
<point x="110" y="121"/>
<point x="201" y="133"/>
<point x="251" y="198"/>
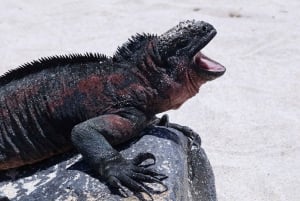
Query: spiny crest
<point x="49" y="62"/>
<point x="134" y="43"/>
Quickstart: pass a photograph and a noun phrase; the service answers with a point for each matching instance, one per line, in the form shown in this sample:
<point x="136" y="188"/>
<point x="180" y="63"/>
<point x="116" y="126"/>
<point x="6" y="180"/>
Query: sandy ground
<point x="248" y="119"/>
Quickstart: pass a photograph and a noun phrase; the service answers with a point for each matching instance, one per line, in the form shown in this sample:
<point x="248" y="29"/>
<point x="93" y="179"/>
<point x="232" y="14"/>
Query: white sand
<point x="248" y="119"/>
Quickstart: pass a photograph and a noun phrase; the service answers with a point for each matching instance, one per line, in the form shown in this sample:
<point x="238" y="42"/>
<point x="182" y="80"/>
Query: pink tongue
<point x="208" y="64"/>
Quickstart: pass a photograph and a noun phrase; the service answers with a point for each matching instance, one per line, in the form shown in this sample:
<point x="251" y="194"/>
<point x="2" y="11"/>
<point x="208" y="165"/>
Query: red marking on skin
<point x="115" y="78"/>
<point x="138" y="94"/>
<point x="137" y="87"/>
<point x="95" y="102"/>
<point x="91" y="85"/>
<point x="3" y="113"/>
<point x="190" y="86"/>
<point x="125" y="89"/>
<point x="194" y="81"/>
<point x="57" y="97"/>
<point x="120" y="128"/>
<point x="180" y="90"/>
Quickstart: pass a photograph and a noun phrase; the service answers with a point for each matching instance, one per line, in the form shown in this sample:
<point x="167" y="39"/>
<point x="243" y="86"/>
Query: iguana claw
<point x="131" y="174"/>
<point x="141" y="157"/>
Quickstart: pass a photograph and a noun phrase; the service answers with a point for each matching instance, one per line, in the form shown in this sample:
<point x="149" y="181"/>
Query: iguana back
<point x="41" y="102"/>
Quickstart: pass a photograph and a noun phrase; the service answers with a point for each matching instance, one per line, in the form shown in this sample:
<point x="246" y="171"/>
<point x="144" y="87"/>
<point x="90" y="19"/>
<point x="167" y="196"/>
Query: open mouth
<point x="204" y="64"/>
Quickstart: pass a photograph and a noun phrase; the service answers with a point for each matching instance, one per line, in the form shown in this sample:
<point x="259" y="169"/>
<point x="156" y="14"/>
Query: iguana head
<point x="173" y="62"/>
<point x="181" y="46"/>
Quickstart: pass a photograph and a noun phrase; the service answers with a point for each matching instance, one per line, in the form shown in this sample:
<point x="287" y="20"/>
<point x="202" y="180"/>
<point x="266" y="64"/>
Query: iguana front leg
<point x="94" y="139"/>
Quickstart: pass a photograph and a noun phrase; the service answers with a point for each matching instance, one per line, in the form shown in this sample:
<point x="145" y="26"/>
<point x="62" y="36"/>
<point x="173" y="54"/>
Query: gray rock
<point x="67" y="177"/>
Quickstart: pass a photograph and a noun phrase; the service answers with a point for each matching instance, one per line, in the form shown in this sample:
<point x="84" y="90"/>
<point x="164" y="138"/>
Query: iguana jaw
<point x="202" y="64"/>
<point x="207" y="67"/>
<point x="183" y="43"/>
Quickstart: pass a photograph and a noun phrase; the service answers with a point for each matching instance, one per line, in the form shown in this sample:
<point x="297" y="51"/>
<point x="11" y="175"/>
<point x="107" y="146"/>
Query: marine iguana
<point x="93" y="102"/>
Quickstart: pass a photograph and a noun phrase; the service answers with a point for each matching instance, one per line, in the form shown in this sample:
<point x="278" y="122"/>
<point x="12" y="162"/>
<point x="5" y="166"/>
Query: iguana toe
<point x="142" y="157"/>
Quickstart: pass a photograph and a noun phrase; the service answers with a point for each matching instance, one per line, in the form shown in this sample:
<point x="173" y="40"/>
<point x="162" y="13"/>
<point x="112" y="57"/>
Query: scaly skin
<point x="94" y="102"/>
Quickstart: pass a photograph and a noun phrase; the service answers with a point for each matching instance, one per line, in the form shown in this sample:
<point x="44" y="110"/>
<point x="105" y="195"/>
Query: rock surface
<point x="67" y="177"/>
